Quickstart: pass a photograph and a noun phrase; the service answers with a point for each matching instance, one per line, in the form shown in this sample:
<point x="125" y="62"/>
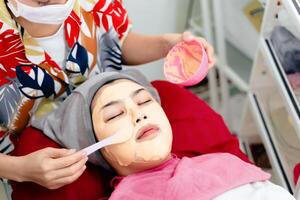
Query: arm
<point x="139" y="49"/>
<point x="8" y="167"/>
<point x="49" y="167"/>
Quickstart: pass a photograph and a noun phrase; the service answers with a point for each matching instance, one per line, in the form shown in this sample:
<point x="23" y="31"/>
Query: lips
<point x="147" y="132"/>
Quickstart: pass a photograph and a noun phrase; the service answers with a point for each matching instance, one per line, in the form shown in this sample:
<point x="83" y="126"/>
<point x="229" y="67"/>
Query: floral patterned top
<point x="32" y="83"/>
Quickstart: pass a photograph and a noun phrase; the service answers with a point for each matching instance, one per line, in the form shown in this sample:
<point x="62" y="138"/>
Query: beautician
<point x="47" y="48"/>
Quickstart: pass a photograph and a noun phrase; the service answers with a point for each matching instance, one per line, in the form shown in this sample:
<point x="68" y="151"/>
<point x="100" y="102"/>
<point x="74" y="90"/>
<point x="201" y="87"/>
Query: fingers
<point x="68" y="160"/>
<point x="52" y="168"/>
<point x="64" y="170"/>
<point x="57" y="153"/>
<point x="68" y="171"/>
<point x="67" y="180"/>
<point x="210" y="52"/>
<point x="187" y="36"/>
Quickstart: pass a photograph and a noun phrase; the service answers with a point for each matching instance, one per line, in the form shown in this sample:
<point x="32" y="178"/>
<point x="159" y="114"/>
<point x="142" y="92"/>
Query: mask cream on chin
<point x="142" y="155"/>
<point x="132" y="151"/>
<point x="146" y="153"/>
<point x="49" y="14"/>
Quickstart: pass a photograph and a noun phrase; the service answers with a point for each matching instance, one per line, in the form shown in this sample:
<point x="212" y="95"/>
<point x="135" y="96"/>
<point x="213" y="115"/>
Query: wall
<point x="156" y="17"/>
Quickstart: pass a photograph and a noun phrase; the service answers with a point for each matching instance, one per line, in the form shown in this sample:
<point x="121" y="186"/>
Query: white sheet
<point x="257" y="191"/>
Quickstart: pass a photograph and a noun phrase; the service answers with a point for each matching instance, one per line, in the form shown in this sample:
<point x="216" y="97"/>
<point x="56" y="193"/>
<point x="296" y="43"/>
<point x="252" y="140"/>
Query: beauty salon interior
<point x="247" y="104"/>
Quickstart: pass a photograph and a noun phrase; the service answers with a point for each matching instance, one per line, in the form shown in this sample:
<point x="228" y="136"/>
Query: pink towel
<point x="202" y="178"/>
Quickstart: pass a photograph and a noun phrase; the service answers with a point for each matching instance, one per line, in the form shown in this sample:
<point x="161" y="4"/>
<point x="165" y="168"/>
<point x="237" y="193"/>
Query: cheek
<point x="106" y="130"/>
<point x="160" y="118"/>
<point x="98" y="126"/>
<point x="156" y="113"/>
<point x="123" y="154"/>
<point x="102" y="129"/>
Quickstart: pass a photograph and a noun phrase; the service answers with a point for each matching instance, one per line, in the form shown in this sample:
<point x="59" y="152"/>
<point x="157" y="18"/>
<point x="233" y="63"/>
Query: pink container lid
<point x="186" y="63"/>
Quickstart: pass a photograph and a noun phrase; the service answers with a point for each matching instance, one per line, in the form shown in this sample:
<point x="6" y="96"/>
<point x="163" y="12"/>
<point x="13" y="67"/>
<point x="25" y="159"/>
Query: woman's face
<point x="124" y="103"/>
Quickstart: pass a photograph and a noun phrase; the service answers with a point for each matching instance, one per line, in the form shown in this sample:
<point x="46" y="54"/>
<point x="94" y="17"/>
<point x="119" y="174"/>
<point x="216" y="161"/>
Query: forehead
<point x="116" y="89"/>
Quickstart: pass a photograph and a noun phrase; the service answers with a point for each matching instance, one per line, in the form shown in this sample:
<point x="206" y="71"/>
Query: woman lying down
<point x="124" y="103"/>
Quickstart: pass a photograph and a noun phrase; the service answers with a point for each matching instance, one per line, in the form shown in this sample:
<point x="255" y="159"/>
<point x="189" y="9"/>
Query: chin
<point x="152" y="163"/>
<point x="160" y="158"/>
<point x="153" y="158"/>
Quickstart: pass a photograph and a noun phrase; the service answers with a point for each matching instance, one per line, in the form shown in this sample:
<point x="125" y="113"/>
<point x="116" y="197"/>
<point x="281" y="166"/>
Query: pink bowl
<point x="186" y="63"/>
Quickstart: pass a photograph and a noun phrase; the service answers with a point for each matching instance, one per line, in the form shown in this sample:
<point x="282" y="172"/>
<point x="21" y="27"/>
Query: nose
<point x="46" y="2"/>
<point x="140" y="118"/>
<point x="136" y="113"/>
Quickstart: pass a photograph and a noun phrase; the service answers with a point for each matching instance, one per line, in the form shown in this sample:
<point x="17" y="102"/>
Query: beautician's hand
<point x="173" y="38"/>
<point x="51" y="167"/>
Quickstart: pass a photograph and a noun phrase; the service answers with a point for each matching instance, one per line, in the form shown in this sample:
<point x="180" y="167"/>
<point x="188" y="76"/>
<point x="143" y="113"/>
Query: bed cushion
<point x="197" y="129"/>
<point x="296" y="173"/>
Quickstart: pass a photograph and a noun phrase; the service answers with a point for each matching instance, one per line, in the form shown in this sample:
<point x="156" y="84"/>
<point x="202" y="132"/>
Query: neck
<point x="38" y="30"/>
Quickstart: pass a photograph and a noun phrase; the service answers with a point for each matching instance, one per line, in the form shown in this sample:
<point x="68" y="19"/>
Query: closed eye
<point x="115" y="116"/>
<point x="144" y="102"/>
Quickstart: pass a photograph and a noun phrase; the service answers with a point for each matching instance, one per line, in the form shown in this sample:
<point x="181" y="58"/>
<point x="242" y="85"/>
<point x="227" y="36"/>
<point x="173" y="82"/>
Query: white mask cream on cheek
<point x="122" y="152"/>
<point x="120" y="136"/>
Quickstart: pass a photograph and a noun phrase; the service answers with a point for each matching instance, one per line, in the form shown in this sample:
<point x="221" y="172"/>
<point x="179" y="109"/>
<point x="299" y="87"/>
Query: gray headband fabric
<point x="71" y="124"/>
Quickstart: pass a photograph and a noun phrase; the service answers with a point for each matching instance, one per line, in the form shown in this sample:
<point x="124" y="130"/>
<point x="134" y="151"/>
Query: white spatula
<point x="122" y="135"/>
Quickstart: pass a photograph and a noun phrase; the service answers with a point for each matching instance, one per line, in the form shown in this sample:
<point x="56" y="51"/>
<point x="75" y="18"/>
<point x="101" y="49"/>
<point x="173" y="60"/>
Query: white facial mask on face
<point x="50" y="14"/>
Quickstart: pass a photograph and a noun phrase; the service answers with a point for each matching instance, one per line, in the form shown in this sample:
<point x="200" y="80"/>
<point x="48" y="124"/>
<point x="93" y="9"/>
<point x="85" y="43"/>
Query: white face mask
<point x="50" y="14"/>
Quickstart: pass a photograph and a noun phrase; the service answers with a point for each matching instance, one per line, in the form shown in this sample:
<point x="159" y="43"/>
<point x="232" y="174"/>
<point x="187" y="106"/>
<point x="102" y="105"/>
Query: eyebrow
<point x="119" y="101"/>
<point x="137" y="91"/>
<point x="110" y="104"/>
